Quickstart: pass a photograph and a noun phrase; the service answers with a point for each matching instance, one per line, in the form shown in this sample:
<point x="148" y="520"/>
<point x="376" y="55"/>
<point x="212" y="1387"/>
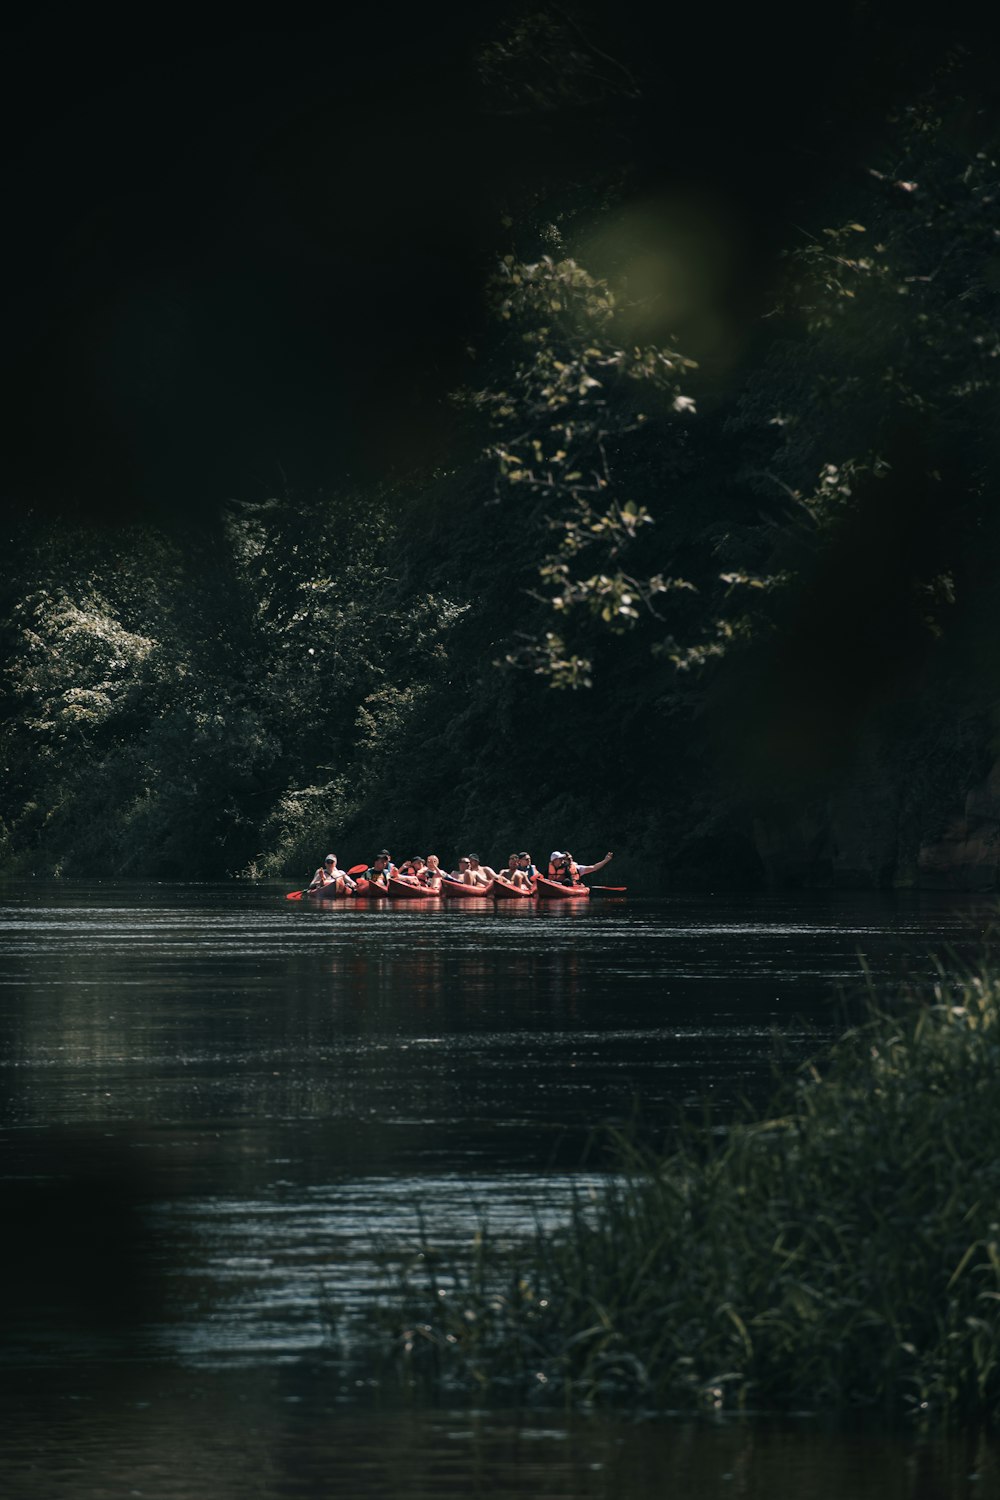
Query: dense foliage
<point x="761" y="557"/>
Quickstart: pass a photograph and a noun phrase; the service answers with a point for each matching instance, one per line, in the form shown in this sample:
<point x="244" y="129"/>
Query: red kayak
<point x="552" y="890"/>
<point x="361" y="888"/>
<point x="504" y="890"/>
<point x="409" y="892"/>
<point x="462" y="892"/>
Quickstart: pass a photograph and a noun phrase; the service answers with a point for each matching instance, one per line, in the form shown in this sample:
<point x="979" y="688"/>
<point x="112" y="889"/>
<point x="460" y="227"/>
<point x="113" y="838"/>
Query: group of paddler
<point x="520" y="872"/>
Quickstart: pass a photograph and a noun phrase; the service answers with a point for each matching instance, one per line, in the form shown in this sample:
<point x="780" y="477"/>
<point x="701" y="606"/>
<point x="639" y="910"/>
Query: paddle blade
<point x="294" y="896"/>
<point x="357" y="870"/>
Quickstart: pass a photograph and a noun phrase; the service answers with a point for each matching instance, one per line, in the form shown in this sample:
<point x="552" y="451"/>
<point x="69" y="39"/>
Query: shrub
<point x="841" y="1251"/>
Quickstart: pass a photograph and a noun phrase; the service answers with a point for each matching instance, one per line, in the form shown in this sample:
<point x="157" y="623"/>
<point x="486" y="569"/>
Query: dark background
<point x="245" y="258"/>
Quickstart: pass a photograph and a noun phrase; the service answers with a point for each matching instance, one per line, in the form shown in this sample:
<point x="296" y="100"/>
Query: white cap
<point x="556" y="854"/>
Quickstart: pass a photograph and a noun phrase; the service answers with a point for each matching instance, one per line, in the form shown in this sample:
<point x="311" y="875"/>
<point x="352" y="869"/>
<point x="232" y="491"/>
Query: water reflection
<point x="211" y="1101"/>
<point x="67" y="1444"/>
<point x="213" y="1006"/>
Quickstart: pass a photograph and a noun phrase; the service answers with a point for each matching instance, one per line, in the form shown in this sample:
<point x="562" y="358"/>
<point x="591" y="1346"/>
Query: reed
<point x="840" y="1250"/>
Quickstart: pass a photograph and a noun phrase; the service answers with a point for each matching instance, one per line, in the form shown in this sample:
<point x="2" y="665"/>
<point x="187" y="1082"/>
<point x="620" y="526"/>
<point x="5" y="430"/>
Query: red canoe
<point x="552" y="890"/>
<point x="462" y="892"/>
<point x="411" y="892"/>
<point x="504" y="890"/>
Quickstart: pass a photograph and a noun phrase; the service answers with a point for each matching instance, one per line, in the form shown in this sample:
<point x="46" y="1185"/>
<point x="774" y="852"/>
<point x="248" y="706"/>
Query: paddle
<point x="354" y="870"/>
<point x="616" y="890"/>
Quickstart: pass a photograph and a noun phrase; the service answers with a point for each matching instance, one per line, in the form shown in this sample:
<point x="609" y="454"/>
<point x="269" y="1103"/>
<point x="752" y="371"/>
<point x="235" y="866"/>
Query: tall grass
<point x="842" y="1250"/>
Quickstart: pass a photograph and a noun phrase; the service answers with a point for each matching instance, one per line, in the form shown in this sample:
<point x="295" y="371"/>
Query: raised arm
<point x="589" y="869"/>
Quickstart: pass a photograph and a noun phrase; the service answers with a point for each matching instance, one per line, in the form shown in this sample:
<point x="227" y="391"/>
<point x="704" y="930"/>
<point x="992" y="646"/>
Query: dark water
<point x="213" y="1102"/>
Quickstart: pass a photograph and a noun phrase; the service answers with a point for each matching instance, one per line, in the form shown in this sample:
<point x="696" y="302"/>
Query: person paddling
<point x="376" y="874"/>
<point x="321" y="879"/>
<point x="330" y="879"/>
<point x="514" y="875"/>
<point x="481" y="874"/>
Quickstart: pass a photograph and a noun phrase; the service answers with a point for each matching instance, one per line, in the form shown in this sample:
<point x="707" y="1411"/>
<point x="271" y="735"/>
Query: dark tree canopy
<point x="532" y="422"/>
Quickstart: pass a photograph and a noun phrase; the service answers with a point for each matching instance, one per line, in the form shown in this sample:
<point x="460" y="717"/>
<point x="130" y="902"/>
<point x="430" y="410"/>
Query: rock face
<point x="863" y="838"/>
<point x="795" y="848"/>
<point x="848" y="838"/>
<point x="966" y="855"/>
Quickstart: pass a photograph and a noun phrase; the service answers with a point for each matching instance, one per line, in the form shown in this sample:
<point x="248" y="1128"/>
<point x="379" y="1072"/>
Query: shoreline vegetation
<point x="703" y="553"/>
<point x="837" y="1252"/>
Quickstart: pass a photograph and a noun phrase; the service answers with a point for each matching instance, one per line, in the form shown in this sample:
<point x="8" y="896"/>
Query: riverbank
<point x="839" y="1250"/>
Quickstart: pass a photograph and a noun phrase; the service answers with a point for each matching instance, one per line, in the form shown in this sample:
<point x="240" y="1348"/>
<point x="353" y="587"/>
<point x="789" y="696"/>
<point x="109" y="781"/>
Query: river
<point x="215" y="1103"/>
